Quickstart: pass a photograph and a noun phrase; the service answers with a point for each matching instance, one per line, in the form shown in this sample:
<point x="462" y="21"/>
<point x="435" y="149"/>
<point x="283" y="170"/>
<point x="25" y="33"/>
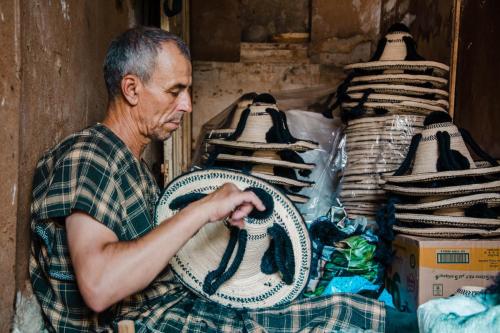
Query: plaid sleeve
<point x="80" y="181"/>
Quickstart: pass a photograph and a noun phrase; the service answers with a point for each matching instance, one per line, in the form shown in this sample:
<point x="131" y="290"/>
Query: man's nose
<point x="185" y="102"/>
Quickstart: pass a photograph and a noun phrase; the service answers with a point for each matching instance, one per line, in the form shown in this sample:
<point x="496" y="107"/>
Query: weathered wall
<point x="63" y="47"/>
<point x="430" y="24"/>
<point x="58" y="46"/>
<point x="261" y="19"/>
<point x="341" y="32"/>
<point x="9" y="152"/>
<point x="216" y="27"/>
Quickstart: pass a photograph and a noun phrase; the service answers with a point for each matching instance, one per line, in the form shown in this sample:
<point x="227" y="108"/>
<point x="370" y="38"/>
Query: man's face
<point x="166" y="96"/>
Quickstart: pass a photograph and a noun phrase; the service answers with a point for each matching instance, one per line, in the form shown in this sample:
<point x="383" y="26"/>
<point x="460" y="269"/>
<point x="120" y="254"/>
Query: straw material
<point x="445" y="220"/>
<point x="360" y="137"/>
<point x="403" y="106"/>
<point x="253" y="135"/>
<point x="239" y="108"/>
<point x="356" y="193"/>
<point x="249" y="287"/>
<point x="386" y="98"/>
<point x="446" y="190"/>
<point x="387" y="120"/>
<point x="435" y="81"/>
<point x="281" y="180"/>
<point x="297" y="198"/>
<point x="369" y="170"/>
<point x="265" y="157"/>
<point x="382" y="130"/>
<point x="393" y="57"/>
<point x="447" y="232"/>
<point x="399" y="89"/>
<point x="491" y="199"/>
<point x="427" y="177"/>
<point x="401" y="65"/>
<point x="424" y="166"/>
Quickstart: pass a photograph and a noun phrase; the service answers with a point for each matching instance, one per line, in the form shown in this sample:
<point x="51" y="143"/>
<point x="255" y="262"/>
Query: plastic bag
<point x="371" y="147"/>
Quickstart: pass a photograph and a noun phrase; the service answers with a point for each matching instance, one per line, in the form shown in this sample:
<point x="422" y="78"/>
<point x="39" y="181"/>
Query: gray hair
<point x="135" y="52"/>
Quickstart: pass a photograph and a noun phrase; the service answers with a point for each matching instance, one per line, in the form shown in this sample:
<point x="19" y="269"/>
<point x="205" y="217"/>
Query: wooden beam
<point x="457" y="10"/>
<point x="177" y="150"/>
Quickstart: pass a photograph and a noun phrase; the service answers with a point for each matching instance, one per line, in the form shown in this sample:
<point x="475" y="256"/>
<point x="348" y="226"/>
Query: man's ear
<point x="131" y="86"/>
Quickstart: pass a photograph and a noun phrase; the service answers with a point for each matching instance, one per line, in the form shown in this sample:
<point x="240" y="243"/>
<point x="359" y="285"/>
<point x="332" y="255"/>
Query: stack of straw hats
<point x="383" y="103"/>
<point x="439" y="191"/>
<point x="261" y="145"/>
<point x="374" y="146"/>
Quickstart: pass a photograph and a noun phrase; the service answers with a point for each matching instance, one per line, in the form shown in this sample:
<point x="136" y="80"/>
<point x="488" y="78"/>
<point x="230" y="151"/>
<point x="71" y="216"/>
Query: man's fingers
<point x="254" y="199"/>
<point x="242" y="211"/>
<point x="237" y="223"/>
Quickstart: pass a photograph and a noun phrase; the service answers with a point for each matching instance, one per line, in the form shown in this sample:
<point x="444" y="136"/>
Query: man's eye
<point x="174" y="93"/>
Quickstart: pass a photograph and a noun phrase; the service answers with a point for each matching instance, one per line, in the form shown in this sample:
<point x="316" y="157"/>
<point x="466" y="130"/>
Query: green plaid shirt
<point x="93" y="171"/>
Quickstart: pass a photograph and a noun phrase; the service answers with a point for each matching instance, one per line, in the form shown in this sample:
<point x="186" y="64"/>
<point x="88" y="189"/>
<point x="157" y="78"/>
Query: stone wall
<point x="51" y="86"/>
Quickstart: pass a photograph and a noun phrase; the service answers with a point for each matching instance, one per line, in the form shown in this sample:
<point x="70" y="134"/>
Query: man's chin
<point x="162" y="137"/>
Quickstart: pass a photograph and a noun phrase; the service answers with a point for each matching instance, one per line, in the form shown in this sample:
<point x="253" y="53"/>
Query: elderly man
<point x="97" y="257"/>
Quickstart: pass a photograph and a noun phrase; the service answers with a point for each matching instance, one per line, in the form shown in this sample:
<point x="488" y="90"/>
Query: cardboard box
<point x="427" y="268"/>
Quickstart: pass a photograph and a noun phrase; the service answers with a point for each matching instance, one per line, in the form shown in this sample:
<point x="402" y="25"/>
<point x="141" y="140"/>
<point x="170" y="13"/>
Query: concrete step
<point x="274" y="53"/>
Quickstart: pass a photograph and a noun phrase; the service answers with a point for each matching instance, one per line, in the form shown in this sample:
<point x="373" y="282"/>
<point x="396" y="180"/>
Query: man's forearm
<point x="114" y="270"/>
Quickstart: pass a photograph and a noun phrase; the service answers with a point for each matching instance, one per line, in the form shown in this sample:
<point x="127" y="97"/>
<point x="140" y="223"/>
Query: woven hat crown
<point x="441" y="147"/>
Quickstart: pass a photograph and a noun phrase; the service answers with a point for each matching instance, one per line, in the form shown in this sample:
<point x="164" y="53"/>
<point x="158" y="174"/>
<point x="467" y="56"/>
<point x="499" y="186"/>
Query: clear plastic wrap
<point x="327" y="133"/>
<point x="371" y="147"/>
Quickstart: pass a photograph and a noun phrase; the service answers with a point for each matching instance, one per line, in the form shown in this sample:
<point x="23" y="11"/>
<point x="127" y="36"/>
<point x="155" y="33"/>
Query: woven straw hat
<point x="451" y="203"/>
<point x="263" y="126"/>
<point x="451" y="211"/>
<point x="439" y="153"/>
<point x="407" y="79"/>
<point x="397" y="51"/>
<point x="244" y="103"/>
<point x="257" y="281"/>
<point x="399" y="89"/>
<point x="454" y="193"/>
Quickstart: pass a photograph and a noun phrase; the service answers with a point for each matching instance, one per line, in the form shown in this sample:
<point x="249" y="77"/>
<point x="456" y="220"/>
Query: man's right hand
<point x="231" y="202"/>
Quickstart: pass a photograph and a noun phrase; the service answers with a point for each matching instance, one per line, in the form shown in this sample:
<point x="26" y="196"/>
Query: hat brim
<point x="249" y="287"/>
<point x="386" y="98"/>
<point x="438" y="68"/>
<point x="404" y="106"/>
<point x="398" y="89"/>
<point x="362" y="137"/>
<point x="282" y="180"/>
<point x="450" y="221"/>
<point x="297" y="198"/>
<point x="383" y="119"/>
<point x="447" y="232"/>
<point x="446" y="190"/>
<point x="369" y="170"/>
<point x="297" y="146"/>
<point x="267" y="161"/>
<point x="491" y="199"/>
<point x="435" y="81"/>
<point x="432" y="176"/>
